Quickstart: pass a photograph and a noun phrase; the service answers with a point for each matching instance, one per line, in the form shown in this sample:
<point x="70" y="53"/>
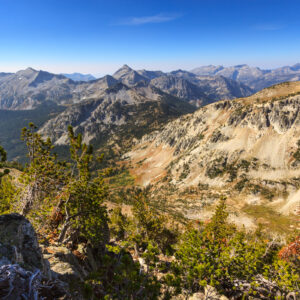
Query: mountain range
<point x="253" y="77"/>
<point x="29" y="88"/>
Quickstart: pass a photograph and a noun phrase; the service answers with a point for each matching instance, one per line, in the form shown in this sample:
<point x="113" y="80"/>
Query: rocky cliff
<point x="24" y="273"/>
<point x="119" y="112"/>
<point x="247" y="149"/>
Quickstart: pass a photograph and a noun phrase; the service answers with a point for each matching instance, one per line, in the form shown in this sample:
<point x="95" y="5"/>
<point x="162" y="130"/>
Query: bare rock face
<point x="119" y="108"/>
<point x="18" y="243"/>
<point x="181" y="88"/>
<point x="17" y="284"/>
<point x="247" y="149"/>
<point x="24" y="274"/>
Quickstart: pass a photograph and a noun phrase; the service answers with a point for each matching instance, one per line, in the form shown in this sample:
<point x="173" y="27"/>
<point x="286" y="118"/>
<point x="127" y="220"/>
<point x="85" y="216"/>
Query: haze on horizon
<point x="98" y="37"/>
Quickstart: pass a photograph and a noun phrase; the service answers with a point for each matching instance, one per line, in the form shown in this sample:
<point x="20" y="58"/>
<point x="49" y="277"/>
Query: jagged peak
<point x="27" y="71"/>
<point x="42" y="76"/>
<point x="31" y="69"/>
<point x="124" y="68"/>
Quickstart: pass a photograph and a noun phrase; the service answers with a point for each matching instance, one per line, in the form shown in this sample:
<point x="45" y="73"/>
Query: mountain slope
<point x="129" y="76"/>
<point x="28" y="88"/>
<point x="119" y="112"/>
<point x="219" y="87"/>
<point x="186" y="85"/>
<point x="151" y="74"/>
<point x="181" y="88"/>
<point x="215" y="87"/>
<point x="247" y="149"/>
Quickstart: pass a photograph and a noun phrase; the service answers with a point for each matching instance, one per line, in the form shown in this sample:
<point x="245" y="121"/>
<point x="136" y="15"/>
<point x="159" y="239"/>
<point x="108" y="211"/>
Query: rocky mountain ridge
<point x="29" y="88"/>
<point x="247" y="149"/>
<point x="118" y="111"/>
<point x="253" y="77"/>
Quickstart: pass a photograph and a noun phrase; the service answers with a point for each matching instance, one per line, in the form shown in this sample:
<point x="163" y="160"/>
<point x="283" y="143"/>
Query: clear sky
<point x="96" y="36"/>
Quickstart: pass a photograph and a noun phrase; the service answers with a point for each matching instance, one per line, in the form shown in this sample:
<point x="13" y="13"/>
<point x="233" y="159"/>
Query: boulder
<point x="212" y="294"/>
<point x="24" y="274"/>
<point x="18" y="243"/>
<point x="197" y="296"/>
<point x="18" y="284"/>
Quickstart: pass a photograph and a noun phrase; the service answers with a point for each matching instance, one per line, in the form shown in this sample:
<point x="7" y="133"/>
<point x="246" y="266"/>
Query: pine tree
<point x="44" y="175"/>
<point x="7" y="188"/>
<point x="83" y="197"/>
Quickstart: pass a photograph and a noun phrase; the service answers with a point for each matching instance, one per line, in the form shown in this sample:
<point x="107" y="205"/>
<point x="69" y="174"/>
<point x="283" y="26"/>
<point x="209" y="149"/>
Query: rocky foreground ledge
<point x="24" y="274"/>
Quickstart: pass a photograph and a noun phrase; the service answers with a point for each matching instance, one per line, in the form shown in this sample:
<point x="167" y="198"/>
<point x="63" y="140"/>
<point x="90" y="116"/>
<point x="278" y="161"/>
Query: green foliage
<point x="151" y="256"/>
<point x="2" y="161"/>
<point x="2" y="154"/>
<point x="219" y="255"/>
<point x="122" y="178"/>
<point x="199" y="256"/>
<point x="284" y="274"/>
<point x="296" y="155"/>
<point x="241" y="184"/>
<point x="44" y="175"/>
<point x="121" y="278"/>
<point x="185" y="171"/>
<point x="83" y="196"/>
<point x="8" y="190"/>
<point x="119" y="224"/>
<point x="8" y="193"/>
<point x="63" y="196"/>
<point x="150" y="226"/>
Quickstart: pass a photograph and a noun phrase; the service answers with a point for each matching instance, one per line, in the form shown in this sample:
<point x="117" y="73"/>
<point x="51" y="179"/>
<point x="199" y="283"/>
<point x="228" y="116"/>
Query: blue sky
<point x="96" y="36"/>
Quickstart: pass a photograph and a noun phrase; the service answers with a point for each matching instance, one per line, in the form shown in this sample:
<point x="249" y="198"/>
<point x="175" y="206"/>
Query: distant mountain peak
<point x="129" y="76"/>
<point x="79" y="77"/>
<point x="124" y="68"/>
<point x="31" y="69"/>
<point x="241" y="66"/>
<point x="27" y="71"/>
